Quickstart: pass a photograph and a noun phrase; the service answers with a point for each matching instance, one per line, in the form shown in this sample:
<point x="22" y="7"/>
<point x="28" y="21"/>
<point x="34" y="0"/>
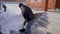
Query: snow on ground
<point x="11" y="19"/>
<point x="13" y="24"/>
<point x="14" y="8"/>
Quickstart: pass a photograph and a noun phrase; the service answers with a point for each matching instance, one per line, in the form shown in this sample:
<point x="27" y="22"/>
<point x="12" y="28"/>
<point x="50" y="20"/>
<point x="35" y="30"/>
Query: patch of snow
<point x="14" y="24"/>
<point x="11" y="19"/>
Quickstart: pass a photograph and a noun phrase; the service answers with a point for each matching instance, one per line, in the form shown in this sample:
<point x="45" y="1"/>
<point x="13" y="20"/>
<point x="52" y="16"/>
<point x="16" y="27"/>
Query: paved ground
<point x="54" y="23"/>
